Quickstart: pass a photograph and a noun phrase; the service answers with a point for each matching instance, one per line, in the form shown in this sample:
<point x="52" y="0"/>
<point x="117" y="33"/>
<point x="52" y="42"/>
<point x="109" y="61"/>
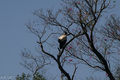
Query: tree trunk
<point x="104" y="62"/>
<point x="63" y="71"/>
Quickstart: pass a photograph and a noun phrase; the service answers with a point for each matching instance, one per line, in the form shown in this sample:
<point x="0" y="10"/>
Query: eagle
<point x="62" y="40"/>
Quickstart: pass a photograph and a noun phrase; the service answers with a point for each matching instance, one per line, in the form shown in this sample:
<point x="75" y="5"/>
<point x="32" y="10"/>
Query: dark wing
<point x="59" y="40"/>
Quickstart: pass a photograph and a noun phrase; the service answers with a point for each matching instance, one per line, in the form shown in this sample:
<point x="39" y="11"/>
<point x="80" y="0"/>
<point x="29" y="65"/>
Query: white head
<point x="63" y="36"/>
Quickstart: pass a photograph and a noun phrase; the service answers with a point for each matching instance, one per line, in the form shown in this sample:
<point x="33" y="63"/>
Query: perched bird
<point x="62" y="40"/>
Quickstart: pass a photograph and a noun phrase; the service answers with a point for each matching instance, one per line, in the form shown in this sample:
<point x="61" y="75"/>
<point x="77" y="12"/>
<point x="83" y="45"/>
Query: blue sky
<point x="14" y="36"/>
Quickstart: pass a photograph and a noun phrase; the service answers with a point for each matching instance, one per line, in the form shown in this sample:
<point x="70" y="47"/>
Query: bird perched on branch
<point x="62" y="40"/>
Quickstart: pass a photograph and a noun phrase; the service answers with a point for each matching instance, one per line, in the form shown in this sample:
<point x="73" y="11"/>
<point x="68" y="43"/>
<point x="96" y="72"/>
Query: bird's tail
<point x="61" y="46"/>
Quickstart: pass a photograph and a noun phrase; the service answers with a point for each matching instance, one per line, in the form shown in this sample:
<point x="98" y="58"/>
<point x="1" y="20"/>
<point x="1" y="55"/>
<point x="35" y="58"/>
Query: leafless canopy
<point x="79" y="19"/>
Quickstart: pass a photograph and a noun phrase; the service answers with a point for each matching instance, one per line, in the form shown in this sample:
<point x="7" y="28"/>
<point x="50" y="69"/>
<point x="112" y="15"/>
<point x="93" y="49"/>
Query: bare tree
<point x="33" y="63"/>
<point x="112" y="31"/>
<point x="79" y="19"/>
